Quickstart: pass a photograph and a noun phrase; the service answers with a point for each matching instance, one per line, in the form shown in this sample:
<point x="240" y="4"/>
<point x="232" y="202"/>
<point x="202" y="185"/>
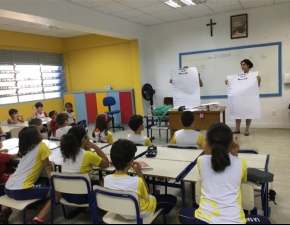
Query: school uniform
<point x="84" y="163"/>
<point x="20" y="185"/>
<point x="148" y="204"/>
<point x="41" y="115"/>
<point x="188" y="137"/>
<point x="220" y="200"/>
<point x="139" y="139"/>
<point x="61" y="131"/>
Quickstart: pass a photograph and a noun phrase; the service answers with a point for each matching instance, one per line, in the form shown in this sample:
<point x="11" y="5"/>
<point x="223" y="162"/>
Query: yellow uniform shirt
<point x="220" y="200"/>
<point x="135" y="184"/>
<point x="29" y="168"/>
<point x="139" y="139"/>
<point x="188" y="137"/>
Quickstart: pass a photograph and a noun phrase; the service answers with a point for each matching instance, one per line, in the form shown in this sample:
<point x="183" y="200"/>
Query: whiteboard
<point x="214" y="66"/>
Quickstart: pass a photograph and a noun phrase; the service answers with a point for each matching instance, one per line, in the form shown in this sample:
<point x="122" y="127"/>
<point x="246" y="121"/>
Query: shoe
<point x="246" y="134"/>
<point x="4" y="216"/>
<point x="36" y="220"/>
<point x="236" y="132"/>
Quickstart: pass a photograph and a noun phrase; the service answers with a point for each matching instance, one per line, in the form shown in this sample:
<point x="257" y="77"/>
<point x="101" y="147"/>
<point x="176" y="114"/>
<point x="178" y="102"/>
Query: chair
<point x="17" y="204"/>
<point x="109" y="101"/>
<point x="168" y="101"/>
<point x="159" y="128"/>
<point x="111" y="200"/>
<point x="14" y="132"/>
<point x="247" y="192"/>
<point x="182" y="146"/>
<point x="70" y="184"/>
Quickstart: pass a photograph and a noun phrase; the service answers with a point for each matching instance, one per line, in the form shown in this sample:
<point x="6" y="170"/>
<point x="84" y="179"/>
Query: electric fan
<point x="147" y="93"/>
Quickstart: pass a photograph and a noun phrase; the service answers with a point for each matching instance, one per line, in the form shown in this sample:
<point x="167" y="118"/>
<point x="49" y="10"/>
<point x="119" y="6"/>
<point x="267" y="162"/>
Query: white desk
<point x="13" y="143"/>
<point x="257" y="161"/>
<point x="175" y="154"/>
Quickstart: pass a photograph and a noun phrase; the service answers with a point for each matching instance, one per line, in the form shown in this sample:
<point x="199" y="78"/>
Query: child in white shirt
<point x="137" y="126"/>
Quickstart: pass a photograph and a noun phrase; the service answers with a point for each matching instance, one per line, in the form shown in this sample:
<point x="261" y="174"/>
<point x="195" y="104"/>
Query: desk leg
<point x="183" y="197"/>
<point x="147" y="126"/>
<point x="171" y="133"/>
<point x="224" y="116"/>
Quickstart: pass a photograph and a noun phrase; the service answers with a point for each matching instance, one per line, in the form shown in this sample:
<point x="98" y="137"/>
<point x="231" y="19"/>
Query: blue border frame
<point x="279" y="44"/>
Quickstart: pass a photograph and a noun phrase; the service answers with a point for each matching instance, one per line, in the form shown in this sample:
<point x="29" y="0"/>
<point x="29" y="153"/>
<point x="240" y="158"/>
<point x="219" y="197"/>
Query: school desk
<point x="258" y="161"/>
<point x="175" y="154"/>
<point x="141" y="150"/>
<point x="202" y="119"/>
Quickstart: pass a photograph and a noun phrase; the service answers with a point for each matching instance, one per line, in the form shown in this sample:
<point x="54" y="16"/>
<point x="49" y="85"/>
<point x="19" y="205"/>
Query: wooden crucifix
<point x="211" y="24"/>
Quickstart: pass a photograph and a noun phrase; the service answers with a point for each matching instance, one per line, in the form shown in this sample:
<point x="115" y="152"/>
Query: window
<point x="23" y="82"/>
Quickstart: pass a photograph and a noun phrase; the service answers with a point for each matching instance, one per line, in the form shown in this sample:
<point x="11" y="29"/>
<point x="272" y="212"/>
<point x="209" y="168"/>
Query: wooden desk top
<point x="220" y="110"/>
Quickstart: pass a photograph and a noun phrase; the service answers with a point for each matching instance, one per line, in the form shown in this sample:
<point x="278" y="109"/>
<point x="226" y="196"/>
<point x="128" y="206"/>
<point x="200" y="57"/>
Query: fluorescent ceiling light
<point x="188" y="2"/>
<point x="172" y="4"/>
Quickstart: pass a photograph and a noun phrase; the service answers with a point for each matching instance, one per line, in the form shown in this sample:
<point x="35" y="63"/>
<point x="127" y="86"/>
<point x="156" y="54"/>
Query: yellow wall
<point x="29" y="42"/>
<point x="91" y="62"/>
<point x="26" y="111"/>
<point x="94" y="61"/>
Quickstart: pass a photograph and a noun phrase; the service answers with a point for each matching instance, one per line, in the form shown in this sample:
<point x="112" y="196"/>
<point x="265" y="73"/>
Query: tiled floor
<point x="275" y="142"/>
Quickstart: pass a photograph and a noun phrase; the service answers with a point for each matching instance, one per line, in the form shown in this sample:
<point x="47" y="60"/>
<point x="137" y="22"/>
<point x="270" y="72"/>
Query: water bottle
<point x="97" y="135"/>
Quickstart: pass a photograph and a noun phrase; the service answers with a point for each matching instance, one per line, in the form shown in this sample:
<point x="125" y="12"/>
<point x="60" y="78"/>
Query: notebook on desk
<point x="143" y="165"/>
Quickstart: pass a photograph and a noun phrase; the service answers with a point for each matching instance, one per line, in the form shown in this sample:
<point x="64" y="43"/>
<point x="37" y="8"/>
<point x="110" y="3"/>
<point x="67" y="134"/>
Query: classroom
<point x="124" y="44"/>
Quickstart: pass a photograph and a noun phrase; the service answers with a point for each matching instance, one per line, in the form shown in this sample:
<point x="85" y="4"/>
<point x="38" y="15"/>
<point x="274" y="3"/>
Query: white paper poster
<point x="185" y="87"/>
<point x="243" y="96"/>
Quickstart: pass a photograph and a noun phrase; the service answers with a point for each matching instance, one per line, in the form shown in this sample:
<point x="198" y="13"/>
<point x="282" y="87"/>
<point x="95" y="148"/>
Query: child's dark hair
<point x="71" y="142"/>
<point x="219" y="137"/>
<point x="12" y="111"/>
<point x="51" y="113"/>
<point x="38" y="104"/>
<point x="61" y="118"/>
<point x="34" y="122"/>
<point x="135" y="122"/>
<point x="248" y="63"/>
<point x="69" y="104"/>
<point x="29" y="138"/>
<point x="187" y="118"/>
<point x="102" y="121"/>
<point x="122" y="152"/>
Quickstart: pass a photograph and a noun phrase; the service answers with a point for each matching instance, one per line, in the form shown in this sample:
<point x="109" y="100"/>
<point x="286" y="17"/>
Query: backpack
<point x="160" y="112"/>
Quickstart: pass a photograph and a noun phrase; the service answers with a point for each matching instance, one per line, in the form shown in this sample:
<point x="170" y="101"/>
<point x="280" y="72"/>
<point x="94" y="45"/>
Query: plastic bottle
<point x="97" y="135"/>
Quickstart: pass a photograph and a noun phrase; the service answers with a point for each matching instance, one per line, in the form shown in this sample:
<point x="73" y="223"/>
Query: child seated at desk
<point x="76" y="158"/>
<point x="188" y="136"/>
<point x="122" y="155"/>
<point x="38" y="111"/>
<point x="103" y="123"/>
<point x="38" y="123"/>
<point x="62" y="120"/>
<point x="53" y="126"/>
<point x="137" y="126"/>
<point x="4" y="172"/>
<point x="221" y="174"/>
<point x="15" y="117"/>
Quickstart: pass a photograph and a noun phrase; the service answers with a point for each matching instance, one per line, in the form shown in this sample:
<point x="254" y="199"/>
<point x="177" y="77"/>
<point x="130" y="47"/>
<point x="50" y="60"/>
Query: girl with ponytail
<point x="222" y="173"/>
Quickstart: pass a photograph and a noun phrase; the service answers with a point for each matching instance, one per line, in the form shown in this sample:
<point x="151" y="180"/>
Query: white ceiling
<point x="145" y="12"/>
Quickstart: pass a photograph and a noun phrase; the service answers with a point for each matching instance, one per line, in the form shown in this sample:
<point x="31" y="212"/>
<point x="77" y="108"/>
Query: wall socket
<point x="274" y="113"/>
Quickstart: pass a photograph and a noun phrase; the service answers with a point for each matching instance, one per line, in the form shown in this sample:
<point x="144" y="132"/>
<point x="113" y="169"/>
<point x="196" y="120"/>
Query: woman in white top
<point x="222" y="172"/>
<point x="246" y="65"/>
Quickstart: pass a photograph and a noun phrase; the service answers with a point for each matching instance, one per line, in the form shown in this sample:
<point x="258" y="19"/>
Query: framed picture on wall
<point x="239" y="26"/>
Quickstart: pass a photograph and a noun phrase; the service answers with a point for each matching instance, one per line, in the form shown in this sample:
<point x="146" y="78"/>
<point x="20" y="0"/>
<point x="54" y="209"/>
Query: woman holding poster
<point x="246" y="65"/>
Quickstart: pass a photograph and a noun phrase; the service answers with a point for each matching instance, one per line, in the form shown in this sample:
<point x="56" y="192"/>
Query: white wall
<point x="165" y="42"/>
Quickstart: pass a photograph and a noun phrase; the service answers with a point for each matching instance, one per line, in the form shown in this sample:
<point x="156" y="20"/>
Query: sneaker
<point x="4" y="216"/>
<point x="36" y="220"/>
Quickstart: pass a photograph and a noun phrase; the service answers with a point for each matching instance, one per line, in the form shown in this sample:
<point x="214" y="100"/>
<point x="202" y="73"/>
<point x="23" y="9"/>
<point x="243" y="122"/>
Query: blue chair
<point x="109" y="101"/>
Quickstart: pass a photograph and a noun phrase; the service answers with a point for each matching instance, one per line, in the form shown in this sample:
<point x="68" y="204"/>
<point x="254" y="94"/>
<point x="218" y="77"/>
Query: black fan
<point x="148" y="92"/>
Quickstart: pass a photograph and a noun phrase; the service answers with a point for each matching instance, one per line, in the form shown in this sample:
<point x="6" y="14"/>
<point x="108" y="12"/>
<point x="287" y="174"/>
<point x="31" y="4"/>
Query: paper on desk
<point x="185" y="87"/>
<point x="13" y="151"/>
<point x="243" y="96"/>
